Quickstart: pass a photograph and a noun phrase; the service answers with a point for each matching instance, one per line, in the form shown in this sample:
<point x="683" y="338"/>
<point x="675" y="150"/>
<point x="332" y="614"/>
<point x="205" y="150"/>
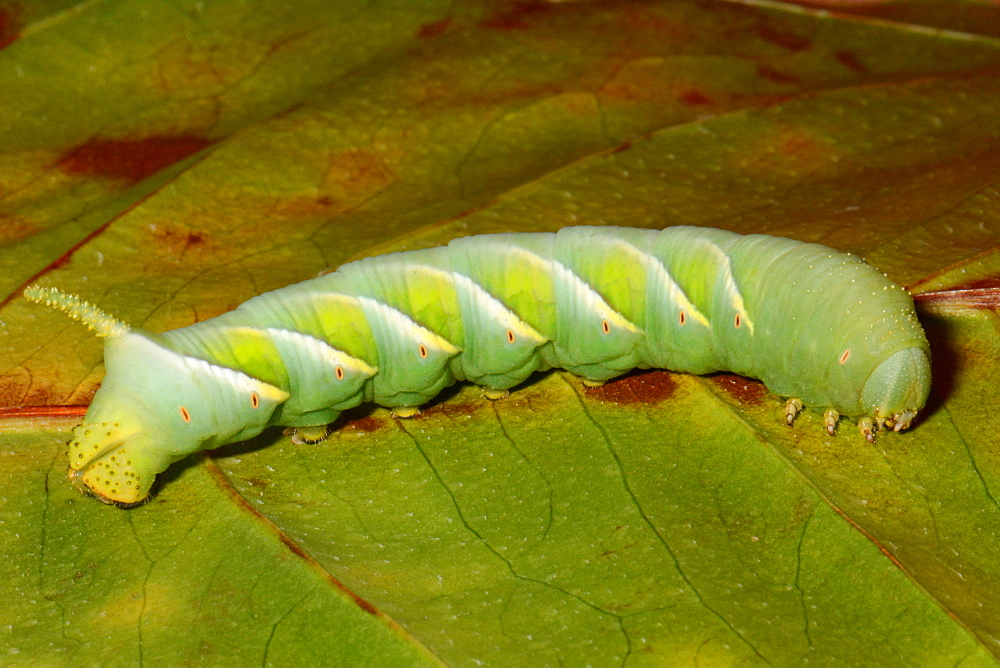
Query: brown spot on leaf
<point x="649" y="387"/>
<point x="433" y="28"/>
<point x="176" y="240"/>
<point x="799" y="150"/>
<point x="783" y="38"/>
<point x="693" y="98"/>
<point x="9" y="28"/>
<point x="514" y="17"/>
<point x="15" y="229"/>
<point x="357" y="171"/>
<point x="129" y="159"/>
<point x="851" y="61"/>
<point x="776" y="76"/>
<point x="366" y="424"/>
<point x="460" y="408"/>
<point x="304" y="207"/>
<point x="744" y="390"/>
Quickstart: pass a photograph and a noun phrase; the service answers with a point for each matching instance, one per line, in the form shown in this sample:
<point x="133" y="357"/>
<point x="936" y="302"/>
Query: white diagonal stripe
<point x="662" y="276"/>
<point x="496" y="310"/>
<point x="400" y="322"/>
<point x="320" y="350"/>
<point x="591" y="299"/>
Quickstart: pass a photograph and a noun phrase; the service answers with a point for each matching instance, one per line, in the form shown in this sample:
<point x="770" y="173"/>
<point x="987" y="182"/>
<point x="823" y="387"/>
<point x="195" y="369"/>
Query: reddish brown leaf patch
<point x="744" y="390"/>
<point x="695" y="98"/>
<point x="9" y="28"/>
<point x="652" y="387"/>
<point x="433" y="28"/>
<point x="851" y="62"/>
<point x="357" y="171"/>
<point x="799" y="150"/>
<point x="783" y="38"/>
<point x="797" y="145"/>
<point x="459" y="408"/>
<point x="515" y="17"/>
<point x="130" y="160"/>
<point x="366" y="424"/>
<point x="176" y="241"/>
<point x="308" y="206"/>
<point x="776" y="76"/>
<point x="15" y="229"/>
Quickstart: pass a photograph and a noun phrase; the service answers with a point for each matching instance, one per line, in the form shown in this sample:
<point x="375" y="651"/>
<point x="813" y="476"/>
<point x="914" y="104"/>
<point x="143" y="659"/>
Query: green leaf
<point x="171" y="160"/>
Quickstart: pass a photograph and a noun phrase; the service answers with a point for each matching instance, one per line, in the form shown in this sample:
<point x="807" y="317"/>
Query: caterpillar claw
<point x="405" y="411"/>
<point x="830" y="418"/>
<point x="792" y="408"/>
<point x="587" y="382"/>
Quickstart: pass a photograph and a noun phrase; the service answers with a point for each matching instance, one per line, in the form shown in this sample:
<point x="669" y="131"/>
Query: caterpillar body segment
<point x="813" y="324"/>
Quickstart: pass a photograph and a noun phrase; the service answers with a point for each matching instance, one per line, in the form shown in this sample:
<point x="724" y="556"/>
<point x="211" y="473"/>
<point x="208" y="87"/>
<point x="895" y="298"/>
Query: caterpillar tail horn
<point x="78" y="309"/>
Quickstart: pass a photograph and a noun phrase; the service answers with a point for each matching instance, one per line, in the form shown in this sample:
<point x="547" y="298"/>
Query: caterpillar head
<point x="102" y="461"/>
<point x="155" y="406"/>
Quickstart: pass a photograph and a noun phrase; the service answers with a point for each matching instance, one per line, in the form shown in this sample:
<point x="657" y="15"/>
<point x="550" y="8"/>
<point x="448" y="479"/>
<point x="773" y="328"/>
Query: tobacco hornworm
<point x="818" y="326"/>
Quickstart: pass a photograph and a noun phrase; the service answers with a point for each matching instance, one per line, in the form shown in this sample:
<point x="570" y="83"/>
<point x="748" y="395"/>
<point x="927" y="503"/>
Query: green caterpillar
<point x="816" y="325"/>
